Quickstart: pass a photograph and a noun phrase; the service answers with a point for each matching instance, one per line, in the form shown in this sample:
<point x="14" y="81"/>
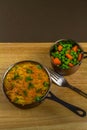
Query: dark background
<point x="43" y="20"/>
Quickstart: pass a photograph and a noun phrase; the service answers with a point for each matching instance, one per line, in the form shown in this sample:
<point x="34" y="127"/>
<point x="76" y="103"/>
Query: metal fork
<point x="61" y="81"/>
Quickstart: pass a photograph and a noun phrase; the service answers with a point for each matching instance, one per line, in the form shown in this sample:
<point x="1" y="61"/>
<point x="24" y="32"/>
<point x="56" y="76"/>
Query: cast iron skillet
<point x="32" y="104"/>
<point x="49" y="95"/>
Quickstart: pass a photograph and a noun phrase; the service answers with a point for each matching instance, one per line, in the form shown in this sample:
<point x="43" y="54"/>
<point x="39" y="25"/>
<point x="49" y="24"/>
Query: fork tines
<point x="52" y="72"/>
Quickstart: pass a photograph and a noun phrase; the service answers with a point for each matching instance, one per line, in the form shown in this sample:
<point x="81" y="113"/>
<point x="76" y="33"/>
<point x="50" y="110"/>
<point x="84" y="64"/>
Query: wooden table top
<point x="49" y="115"/>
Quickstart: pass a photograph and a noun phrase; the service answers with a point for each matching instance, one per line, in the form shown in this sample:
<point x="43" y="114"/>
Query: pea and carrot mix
<point x="26" y="83"/>
<point x="66" y="54"/>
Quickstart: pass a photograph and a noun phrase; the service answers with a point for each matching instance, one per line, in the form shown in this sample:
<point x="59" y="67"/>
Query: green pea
<point x="67" y="62"/>
<point x="46" y="84"/>
<point x="37" y="98"/>
<point x="64" y="49"/>
<point x="28" y="78"/>
<point x="63" y="57"/>
<point x="67" y="67"/>
<point x="63" y="60"/>
<point x="62" y="52"/>
<point x="29" y="71"/>
<point x="55" y="54"/>
<point x="39" y="66"/>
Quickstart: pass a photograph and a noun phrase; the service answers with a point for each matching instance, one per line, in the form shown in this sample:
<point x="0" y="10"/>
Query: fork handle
<point x="77" y="90"/>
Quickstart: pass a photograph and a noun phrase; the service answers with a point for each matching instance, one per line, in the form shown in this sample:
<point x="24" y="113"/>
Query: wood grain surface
<point x="49" y="115"/>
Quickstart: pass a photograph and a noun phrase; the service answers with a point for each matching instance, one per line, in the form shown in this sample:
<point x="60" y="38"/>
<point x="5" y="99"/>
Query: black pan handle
<point x="85" y="55"/>
<point x="80" y="112"/>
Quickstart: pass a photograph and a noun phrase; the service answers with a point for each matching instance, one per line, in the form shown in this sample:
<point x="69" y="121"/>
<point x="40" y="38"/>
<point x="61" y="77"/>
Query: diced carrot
<point x="75" y="48"/>
<point x="69" y="56"/>
<point x="71" y="65"/>
<point x="79" y="56"/>
<point x="56" y="61"/>
<point x="60" y="47"/>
